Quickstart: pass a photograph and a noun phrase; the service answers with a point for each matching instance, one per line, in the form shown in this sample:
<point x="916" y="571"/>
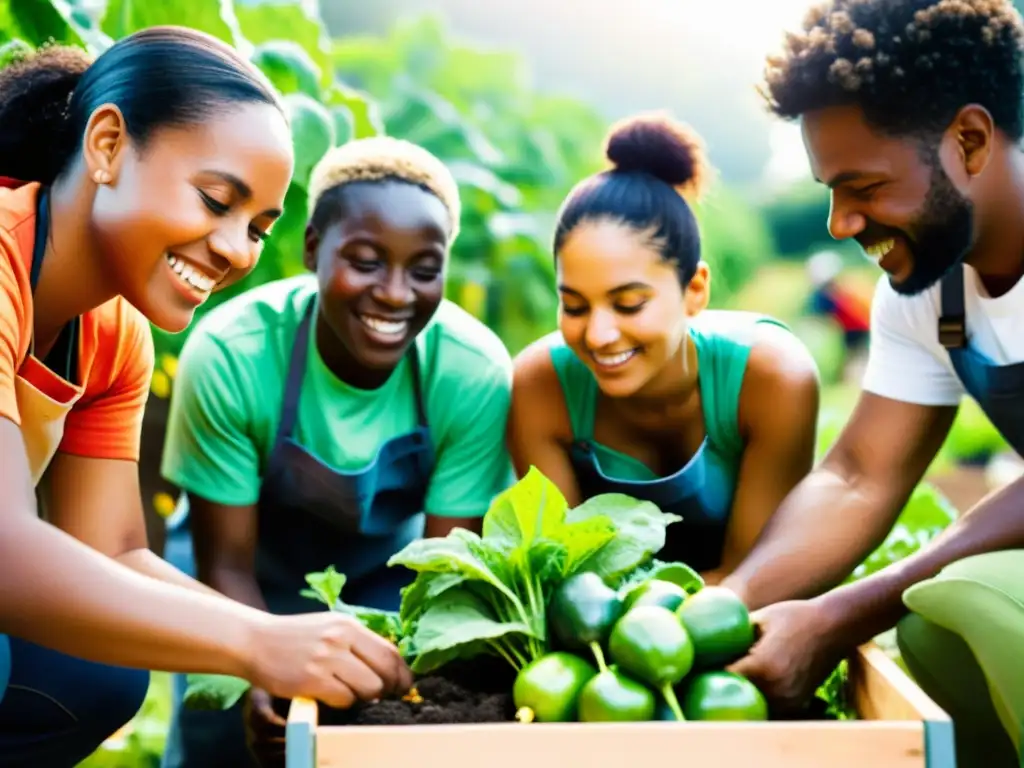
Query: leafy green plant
<point x="489" y="594"/>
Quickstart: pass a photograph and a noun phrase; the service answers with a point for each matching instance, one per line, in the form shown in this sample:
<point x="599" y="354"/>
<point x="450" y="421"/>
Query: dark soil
<point x="475" y="691"/>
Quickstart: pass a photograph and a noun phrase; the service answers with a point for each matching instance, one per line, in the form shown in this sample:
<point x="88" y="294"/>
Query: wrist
<point x="244" y="652"/>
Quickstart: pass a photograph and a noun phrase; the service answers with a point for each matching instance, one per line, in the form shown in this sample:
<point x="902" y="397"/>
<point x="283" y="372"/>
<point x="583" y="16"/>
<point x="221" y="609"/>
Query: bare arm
<point x="863" y="609"/>
<point x="538" y="423"/>
<point x="60" y="592"/>
<point x="778" y="417"/>
<point x="99" y="502"/>
<point x="846" y="507"/>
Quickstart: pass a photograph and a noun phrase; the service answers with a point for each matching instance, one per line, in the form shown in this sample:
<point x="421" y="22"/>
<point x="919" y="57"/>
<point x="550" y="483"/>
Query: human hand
<point x="325" y="656"/>
<point x="797" y="648"/>
<point x="264" y="728"/>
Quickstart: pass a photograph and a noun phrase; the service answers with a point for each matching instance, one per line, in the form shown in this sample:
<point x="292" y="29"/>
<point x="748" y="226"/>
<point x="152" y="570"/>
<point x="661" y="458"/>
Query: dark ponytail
<point x="657" y="167"/>
<point x="158" y="77"/>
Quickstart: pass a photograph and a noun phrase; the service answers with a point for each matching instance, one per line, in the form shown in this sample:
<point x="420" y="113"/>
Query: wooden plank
<point x="882" y="691"/>
<point x="851" y="744"/>
<point x="301" y="735"/>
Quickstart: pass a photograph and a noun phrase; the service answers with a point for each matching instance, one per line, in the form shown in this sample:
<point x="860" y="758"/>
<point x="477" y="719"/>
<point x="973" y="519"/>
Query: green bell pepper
<point x="582" y="612"/>
<point x="650" y="644"/>
<point x="721" y="695"/>
<point x="611" y="696"/>
<point x="719" y="625"/>
<point x="656" y="592"/>
<point x="547" y="688"/>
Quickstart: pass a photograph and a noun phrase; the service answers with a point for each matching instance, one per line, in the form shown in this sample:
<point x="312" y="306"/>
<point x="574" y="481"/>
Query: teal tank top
<point x="702" y="491"/>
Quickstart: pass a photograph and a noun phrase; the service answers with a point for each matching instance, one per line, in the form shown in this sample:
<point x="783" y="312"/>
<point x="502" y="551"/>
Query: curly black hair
<point x="910" y="65"/>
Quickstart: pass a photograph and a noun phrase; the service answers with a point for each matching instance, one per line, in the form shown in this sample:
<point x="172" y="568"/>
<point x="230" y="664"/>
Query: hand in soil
<point x="796" y="651"/>
<point x="326" y="656"/>
<point x="264" y="727"/>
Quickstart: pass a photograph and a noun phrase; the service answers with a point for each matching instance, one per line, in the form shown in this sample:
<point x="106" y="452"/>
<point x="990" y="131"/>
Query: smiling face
<point x="380" y="262"/>
<point x="908" y="214"/>
<point x="188" y="214"/>
<point x="622" y="309"/>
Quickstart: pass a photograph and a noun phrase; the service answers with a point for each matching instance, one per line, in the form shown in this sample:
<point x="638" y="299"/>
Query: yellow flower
<point x="163" y="504"/>
<point x="473" y="298"/>
<point x="160" y="385"/>
<point x="170" y="364"/>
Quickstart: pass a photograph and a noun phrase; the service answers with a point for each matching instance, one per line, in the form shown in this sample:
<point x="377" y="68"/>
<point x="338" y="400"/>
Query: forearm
<point x="820" y="533"/>
<point x="236" y="583"/>
<point x="58" y="592"/>
<point x="874" y="604"/>
<point x="146" y="562"/>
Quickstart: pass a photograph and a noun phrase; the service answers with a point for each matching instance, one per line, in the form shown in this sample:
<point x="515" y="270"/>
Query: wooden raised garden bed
<point x="898" y="726"/>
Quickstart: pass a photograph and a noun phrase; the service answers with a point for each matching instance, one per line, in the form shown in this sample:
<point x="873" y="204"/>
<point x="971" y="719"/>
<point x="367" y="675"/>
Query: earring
<point x="101" y="177"/>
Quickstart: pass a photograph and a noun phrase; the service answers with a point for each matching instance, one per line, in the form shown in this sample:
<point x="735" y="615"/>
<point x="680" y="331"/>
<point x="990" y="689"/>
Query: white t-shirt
<point x="905" y="359"/>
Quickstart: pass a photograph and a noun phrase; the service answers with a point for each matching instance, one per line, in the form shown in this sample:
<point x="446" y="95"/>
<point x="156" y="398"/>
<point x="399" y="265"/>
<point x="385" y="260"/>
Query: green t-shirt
<point x="230" y="382"/>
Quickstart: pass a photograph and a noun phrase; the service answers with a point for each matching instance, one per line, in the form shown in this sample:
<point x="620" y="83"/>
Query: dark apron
<point x="998" y="389"/>
<point x="62" y="358"/>
<point x="311" y="516"/>
<point x="701" y="492"/>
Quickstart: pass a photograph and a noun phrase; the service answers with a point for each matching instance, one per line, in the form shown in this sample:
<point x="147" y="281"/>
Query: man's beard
<point x="944" y="234"/>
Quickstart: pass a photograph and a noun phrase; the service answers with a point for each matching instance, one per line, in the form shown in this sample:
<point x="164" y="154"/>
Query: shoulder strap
<point x="417" y="384"/>
<point x="578" y="389"/>
<point x="953" y="317"/>
<point x="296" y="371"/>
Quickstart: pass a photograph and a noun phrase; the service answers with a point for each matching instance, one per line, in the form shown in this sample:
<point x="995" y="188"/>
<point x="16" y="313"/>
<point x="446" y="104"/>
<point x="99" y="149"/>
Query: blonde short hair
<point x="383" y="157"/>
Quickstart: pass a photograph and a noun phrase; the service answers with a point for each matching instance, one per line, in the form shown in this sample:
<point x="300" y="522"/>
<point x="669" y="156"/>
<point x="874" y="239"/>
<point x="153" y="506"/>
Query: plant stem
<point x="595" y="647"/>
<point x="505" y="655"/>
<point x="672" y="701"/>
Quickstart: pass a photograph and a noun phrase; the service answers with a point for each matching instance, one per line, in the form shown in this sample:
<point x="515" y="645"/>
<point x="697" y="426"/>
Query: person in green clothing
<point x="642" y="390"/>
<point x="333" y="418"/>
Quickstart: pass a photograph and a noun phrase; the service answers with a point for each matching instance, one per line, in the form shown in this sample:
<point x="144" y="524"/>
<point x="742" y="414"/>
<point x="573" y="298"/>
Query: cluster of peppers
<point x="657" y="653"/>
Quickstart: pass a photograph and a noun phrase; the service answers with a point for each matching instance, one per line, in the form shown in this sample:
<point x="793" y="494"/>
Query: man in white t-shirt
<point x="911" y="112"/>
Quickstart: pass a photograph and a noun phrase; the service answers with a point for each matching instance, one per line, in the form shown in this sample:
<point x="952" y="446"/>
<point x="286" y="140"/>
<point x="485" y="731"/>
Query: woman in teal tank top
<point x="709" y="414"/>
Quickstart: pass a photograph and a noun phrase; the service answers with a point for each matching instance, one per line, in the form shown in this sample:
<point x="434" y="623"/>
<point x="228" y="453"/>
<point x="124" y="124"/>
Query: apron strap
<point x="63" y="357"/>
<point x="952" y="321"/>
<point x="296" y="370"/>
<point x="414" y="363"/>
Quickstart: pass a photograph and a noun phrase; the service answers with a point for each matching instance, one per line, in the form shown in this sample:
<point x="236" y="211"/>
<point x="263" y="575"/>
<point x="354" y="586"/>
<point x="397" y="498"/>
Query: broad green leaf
<point x="312" y="134"/>
<point x="585" y="538"/>
<point x="213" y="692"/>
<point x="283" y="254"/>
<point x="344" y="124"/>
<point x="215" y="17"/>
<point x="85" y="26"/>
<point x="425" y="587"/>
<point x="366" y="118"/>
<point x="451" y="554"/>
<point x="532" y="508"/>
<point x="36" y="22"/>
<point x="289" y="67"/>
<point x="457" y="624"/>
<point x="295" y="23"/>
<point x="641" y="532"/>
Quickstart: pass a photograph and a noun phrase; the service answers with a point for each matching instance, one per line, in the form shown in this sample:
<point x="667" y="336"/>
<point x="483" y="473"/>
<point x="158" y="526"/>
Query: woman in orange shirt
<point x="134" y="186"/>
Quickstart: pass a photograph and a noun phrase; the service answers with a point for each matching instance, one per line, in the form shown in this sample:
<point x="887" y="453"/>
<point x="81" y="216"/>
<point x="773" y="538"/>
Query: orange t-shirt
<point x="115" y="348"/>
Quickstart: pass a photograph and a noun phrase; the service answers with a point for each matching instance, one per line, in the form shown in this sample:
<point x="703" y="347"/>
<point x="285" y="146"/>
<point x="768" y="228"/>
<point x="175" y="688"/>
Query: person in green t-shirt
<point x="642" y="390"/>
<point x="333" y="418"/>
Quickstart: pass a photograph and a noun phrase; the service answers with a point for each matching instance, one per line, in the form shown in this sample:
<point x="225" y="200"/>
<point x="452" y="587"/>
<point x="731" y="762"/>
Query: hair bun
<point x="655" y="144"/>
